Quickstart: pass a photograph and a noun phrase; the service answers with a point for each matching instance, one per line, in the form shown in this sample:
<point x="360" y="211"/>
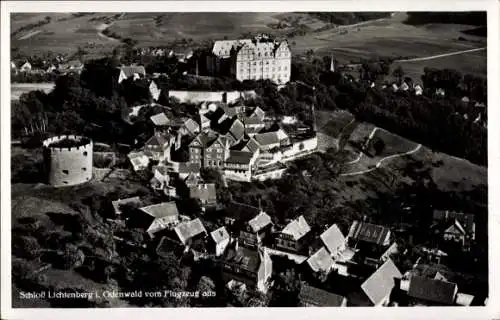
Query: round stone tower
<point x="68" y="160"/>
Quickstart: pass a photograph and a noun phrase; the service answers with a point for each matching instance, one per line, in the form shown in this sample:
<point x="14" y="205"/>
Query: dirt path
<point x="29" y="35"/>
<point x="380" y="162"/>
<point x="437" y="56"/>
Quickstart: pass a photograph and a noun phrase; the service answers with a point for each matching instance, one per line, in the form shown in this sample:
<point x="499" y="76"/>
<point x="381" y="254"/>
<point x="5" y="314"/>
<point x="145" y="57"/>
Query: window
<point x="84" y="169"/>
<point x="254" y="63"/>
<point x="65" y="171"/>
<point x="85" y="153"/>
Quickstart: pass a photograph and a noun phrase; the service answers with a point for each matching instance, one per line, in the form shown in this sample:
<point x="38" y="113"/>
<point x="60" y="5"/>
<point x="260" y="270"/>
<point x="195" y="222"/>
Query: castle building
<point x="253" y="59"/>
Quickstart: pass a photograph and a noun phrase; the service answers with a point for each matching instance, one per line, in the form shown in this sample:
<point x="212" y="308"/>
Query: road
<point x="443" y="55"/>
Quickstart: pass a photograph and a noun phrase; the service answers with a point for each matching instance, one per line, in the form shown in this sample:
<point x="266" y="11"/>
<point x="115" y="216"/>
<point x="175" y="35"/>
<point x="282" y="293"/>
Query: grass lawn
<point x="333" y="123"/>
<point x="394" y="144"/>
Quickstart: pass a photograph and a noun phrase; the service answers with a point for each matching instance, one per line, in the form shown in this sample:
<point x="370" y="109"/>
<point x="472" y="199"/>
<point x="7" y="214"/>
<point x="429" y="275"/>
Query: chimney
<point x="236" y="244"/>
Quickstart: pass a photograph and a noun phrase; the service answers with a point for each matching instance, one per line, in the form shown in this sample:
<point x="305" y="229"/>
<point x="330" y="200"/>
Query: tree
<point x="72" y="257"/>
<point x="398" y="73"/>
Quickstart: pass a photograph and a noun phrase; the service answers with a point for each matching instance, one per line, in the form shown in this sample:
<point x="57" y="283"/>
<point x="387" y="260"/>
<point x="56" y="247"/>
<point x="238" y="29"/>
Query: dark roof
<point x="368" y="232"/>
<point x="205" y="139"/>
<point x="320" y="297"/>
<point x="380" y="284"/>
<point x="245" y="258"/>
<point x="239" y="157"/>
<point x="189" y="167"/>
<point x="467" y="220"/>
<point x="432" y="290"/>
<point x="241" y="211"/>
<point x="267" y="138"/>
<point x="252" y="145"/>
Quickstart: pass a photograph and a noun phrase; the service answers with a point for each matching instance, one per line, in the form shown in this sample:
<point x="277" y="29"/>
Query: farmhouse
<point x="187" y="231"/>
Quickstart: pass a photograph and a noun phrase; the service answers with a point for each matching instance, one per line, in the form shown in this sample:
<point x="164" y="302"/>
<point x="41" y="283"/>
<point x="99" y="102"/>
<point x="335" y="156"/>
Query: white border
<point x="490" y="312"/>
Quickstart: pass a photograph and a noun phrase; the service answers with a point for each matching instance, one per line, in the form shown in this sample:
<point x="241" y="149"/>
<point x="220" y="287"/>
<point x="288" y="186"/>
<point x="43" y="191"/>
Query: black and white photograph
<point x="247" y="158"/>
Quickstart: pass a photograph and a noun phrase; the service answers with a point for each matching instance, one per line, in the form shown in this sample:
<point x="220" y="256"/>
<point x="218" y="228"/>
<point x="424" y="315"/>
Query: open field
<point x="17" y="89"/>
<point x="386" y="37"/>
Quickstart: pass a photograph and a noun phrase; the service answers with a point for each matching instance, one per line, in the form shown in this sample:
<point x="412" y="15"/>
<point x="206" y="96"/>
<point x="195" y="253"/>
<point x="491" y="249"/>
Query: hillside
<point x="386" y="36"/>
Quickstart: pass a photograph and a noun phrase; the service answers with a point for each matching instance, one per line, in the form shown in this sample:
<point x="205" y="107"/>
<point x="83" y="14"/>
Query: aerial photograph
<point x="248" y="159"/>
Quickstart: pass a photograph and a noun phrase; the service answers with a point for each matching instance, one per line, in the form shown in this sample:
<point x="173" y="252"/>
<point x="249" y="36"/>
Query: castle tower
<point x="68" y="160"/>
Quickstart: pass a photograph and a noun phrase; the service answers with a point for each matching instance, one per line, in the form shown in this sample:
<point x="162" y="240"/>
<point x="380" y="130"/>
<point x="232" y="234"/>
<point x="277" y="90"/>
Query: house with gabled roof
<point x="160" y="119"/>
<point x="272" y="140"/>
<point x="320" y="262"/>
<point x="25" y="67"/>
<point x="131" y="72"/>
<point x="138" y="160"/>
<point x="253" y="125"/>
<point x="364" y="232"/>
<point x="295" y="236"/>
<point x="239" y="165"/>
<point x="157" y="217"/>
<point x="221" y="239"/>
<point x="258" y="113"/>
<point x="186" y="231"/>
<point x="158" y="147"/>
<point x="161" y="180"/>
<point x="314" y="297"/>
<point x="334" y="241"/>
<point x="189" y="127"/>
<point x="255" y="230"/>
<point x="209" y="150"/>
<point x="454" y="226"/>
<point x="154" y="90"/>
<point x="378" y="287"/>
<point x="252" y="267"/>
<point x="72" y="66"/>
<point x="431" y="292"/>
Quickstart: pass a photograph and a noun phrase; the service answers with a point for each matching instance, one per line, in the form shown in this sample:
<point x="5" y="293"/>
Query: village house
<point x="314" y="297"/>
<point x="139" y="160"/>
<point x="154" y="90"/>
<point x="209" y="150"/>
<point x="204" y="194"/>
<point x="418" y="90"/>
<point x="72" y="66"/>
<point x="295" y="236"/>
<point x="334" y="241"/>
<point x="377" y="289"/>
<point x="192" y="180"/>
<point x="221" y="240"/>
<point x="271" y="140"/>
<point x="161" y="180"/>
<point x="253" y="125"/>
<point x="160" y="120"/>
<point x="193" y="235"/>
<point x="252" y="267"/>
<point x="256" y="230"/>
<point x="25" y="67"/>
<point x="189" y="127"/>
<point x="454" y="226"/>
<point x="157" y="217"/>
<point x="370" y="242"/>
<point x="239" y="164"/>
<point x="320" y="262"/>
<point x="237" y="214"/>
<point x="120" y="203"/>
<point x="424" y="291"/>
<point x="157" y="148"/>
<point x="131" y="72"/>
